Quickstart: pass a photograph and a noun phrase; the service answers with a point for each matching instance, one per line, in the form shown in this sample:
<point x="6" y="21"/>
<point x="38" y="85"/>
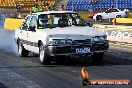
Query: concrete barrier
<point x="84" y="15"/>
<point x="120" y="37"/>
<point x="130" y="15"/>
<point x="12" y="23"/>
<point x="116" y="36"/>
<point x="123" y="20"/>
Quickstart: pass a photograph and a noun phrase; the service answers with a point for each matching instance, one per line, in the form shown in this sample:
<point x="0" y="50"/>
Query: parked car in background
<point x="111" y="13"/>
<point x="59" y="34"/>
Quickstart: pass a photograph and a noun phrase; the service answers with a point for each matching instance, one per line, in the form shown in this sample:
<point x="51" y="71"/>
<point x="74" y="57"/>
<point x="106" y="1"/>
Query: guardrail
<point x="123" y="20"/>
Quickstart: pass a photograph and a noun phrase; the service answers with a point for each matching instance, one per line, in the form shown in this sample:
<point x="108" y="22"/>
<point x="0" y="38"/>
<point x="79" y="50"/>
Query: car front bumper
<point x="100" y="47"/>
<point x="71" y="50"/>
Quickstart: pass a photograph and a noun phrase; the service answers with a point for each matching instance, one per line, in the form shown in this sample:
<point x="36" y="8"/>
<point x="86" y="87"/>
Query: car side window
<point x="109" y="11"/>
<point x="42" y="21"/>
<point x="33" y="23"/>
<point x="26" y="23"/>
<point x="115" y="10"/>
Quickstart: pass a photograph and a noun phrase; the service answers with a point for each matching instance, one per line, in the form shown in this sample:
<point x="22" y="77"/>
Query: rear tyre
<point x="22" y="51"/>
<point x="43" y="55"/>
<point x="97" y="58"/>
<point x="118" y="16"/>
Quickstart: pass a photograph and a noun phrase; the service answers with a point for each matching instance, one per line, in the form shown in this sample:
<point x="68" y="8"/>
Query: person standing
<point x="62" y="8"/>
<point x="18" y="10"/>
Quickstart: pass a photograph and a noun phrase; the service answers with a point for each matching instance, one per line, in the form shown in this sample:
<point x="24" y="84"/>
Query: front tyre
<point x="118" y="16"/>
<point x="99" y="17"/>
<point x="22" y="51"/>
<point x="97" y="58"/>
<point x="43" y="56"/>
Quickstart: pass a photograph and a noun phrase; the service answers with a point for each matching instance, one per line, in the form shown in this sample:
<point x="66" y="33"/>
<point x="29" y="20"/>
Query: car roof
<point x="113" y="8"/>
<point x="49" y="12"/>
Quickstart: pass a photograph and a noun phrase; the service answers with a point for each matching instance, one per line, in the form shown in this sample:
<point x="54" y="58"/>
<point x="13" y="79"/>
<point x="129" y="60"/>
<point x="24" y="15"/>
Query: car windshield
<point x="60" y="20"/>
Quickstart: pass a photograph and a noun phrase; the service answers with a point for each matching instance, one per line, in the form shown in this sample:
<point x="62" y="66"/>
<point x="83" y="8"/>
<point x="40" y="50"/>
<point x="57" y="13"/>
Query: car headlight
<point x="98" y="38"/>
<point x="60" y="42"/>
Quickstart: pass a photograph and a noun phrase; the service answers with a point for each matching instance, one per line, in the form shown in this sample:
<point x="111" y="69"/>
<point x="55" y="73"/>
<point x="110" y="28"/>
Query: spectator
<point x="36" y="8"/>
<point x="49" y="8"/>
<point x="46" y="4"/>
<point x="62" y="8"/>
<point x="18" y="6"/>
<point x="18" y="10"/>
<point x="112" y="6"/>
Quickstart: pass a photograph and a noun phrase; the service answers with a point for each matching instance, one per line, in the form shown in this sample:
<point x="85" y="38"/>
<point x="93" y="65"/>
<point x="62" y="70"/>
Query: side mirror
<point x="32" y="28"/>
<point x="89" y="24"/>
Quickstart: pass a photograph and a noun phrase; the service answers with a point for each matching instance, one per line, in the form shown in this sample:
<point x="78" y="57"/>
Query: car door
<point x="23" y="31"/>
<point x="109" y="14"/>
<point x="115" y="13"/>
<point x="32" y="36"/>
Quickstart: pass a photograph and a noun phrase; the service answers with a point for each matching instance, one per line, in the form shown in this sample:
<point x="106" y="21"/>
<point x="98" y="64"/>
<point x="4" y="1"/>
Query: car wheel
<point x="43" y="56"/>
<point x="22" y="51"/>
<point x="99" y="17"/>
<point x="118" y="16"/>
<point x="97" y="58"/>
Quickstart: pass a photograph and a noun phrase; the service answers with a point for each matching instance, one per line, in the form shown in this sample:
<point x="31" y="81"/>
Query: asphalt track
<point x="27" y="72"/>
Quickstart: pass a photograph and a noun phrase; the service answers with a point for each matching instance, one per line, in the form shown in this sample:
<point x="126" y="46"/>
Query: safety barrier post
<point x="114" y="21"/>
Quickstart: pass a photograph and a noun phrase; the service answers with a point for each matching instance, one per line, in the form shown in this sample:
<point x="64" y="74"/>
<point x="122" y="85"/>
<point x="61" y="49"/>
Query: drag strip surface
<point x="27" y="72"/>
